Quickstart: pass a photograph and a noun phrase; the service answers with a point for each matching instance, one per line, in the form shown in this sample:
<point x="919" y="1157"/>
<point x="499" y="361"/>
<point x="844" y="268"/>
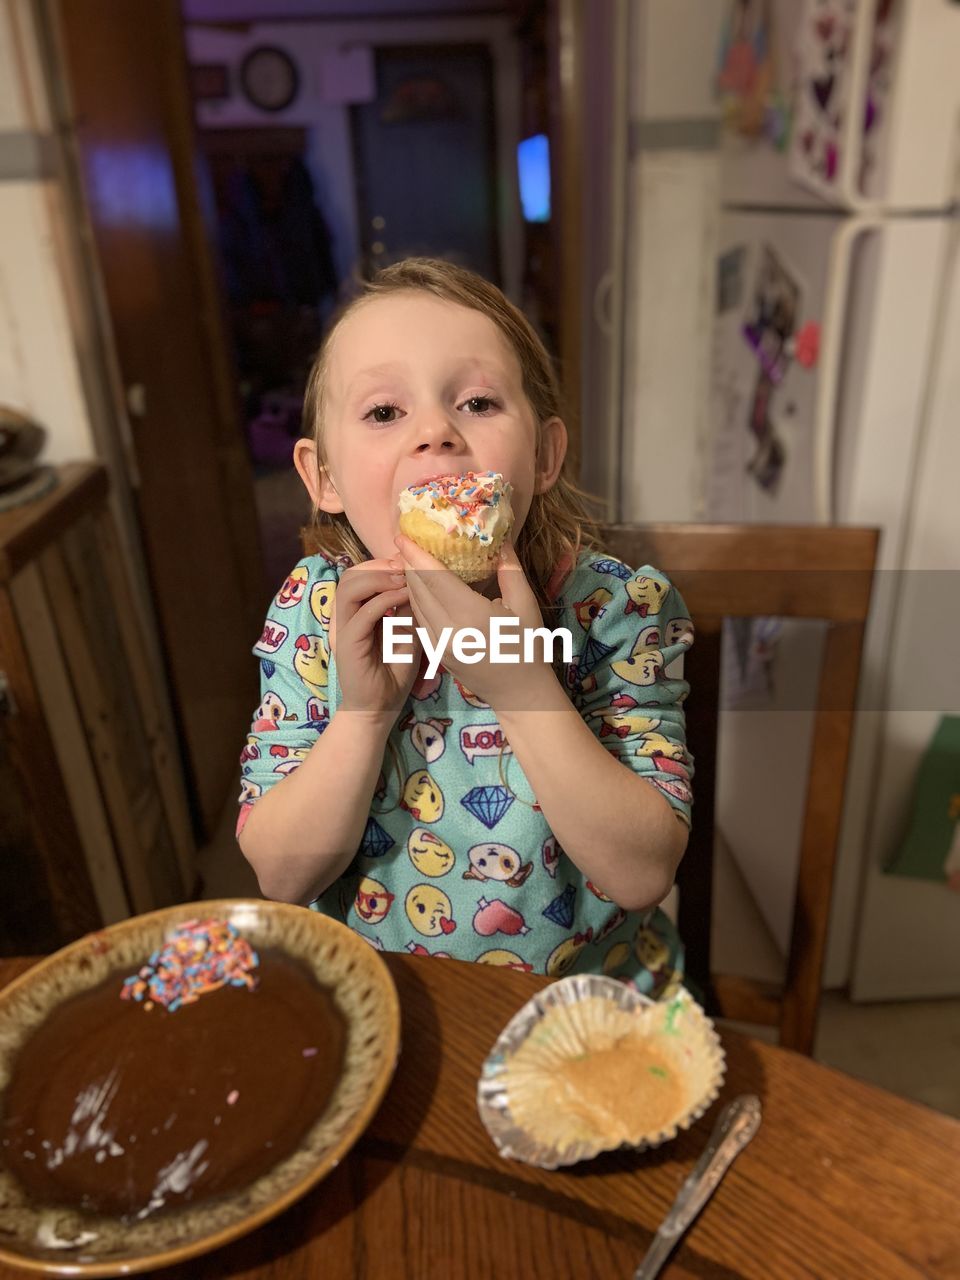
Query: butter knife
<point x="736" y="1125"/>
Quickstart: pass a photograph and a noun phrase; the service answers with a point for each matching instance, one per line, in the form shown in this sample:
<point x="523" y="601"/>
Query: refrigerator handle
<point x="831" y="358"/>
<point x="851" y="154"/>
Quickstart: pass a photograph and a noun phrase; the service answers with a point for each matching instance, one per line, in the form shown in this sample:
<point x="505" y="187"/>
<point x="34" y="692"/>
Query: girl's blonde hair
<point x="558" y="522"/>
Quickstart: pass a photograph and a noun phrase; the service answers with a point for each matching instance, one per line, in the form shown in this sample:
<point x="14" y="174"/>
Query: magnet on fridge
<point x="759" y="423"/>
<point x="766" y="466"/>
<point x="773" y="315"/>
<point x="805" y="347"/>
<point x="745" y="72"/>
<point x="777" y="122"/>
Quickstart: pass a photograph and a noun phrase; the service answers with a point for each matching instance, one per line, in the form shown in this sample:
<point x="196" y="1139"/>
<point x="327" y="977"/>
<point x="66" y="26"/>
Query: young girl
<point x="520" y="815"/>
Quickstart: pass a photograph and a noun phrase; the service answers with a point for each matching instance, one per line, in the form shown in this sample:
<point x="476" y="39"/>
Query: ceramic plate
<point x="65" y="1242"/>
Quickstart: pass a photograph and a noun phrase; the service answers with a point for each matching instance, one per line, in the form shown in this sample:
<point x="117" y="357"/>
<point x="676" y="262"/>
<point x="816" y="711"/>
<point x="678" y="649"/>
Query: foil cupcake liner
<point x="584" y="1011"/>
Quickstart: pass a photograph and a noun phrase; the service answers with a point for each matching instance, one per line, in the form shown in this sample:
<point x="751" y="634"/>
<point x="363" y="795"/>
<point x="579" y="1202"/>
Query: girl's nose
<point x="437" y="432"/>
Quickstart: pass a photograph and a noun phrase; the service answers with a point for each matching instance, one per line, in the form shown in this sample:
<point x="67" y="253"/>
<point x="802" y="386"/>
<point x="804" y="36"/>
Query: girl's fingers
<point x="363" y="584"/>
<point x="419" y="595"/>
<point x="368" y="615"/>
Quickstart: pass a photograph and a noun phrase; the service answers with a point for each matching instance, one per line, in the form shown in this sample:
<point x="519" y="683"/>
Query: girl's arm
<point x="612" y="823"/>
<point x="304" y="832"/>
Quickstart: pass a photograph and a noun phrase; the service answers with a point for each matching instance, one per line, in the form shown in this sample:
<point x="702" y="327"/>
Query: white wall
<point x="39" y="370"/>
<point x="673" y="213"/>
<point x="331" y="155"/>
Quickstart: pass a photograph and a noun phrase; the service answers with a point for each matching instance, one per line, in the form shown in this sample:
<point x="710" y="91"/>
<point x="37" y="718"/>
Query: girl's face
<point x="419" y="387"/>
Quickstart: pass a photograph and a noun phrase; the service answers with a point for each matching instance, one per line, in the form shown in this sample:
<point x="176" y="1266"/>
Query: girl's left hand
<point x="439" y="599"/>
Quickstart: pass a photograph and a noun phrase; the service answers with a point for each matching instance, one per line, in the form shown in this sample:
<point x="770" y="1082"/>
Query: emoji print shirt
<point x="456" y="858"/>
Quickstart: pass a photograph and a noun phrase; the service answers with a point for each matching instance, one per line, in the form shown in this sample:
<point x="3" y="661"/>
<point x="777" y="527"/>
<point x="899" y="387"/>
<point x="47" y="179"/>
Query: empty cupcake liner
<point x="590" y="1065"/>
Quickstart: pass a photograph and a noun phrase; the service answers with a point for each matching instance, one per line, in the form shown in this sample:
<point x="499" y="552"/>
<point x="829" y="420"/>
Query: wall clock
<point x="269" y="78"/>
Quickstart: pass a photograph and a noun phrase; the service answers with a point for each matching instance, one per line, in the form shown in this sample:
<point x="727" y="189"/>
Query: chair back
<point x="785" y="571"/>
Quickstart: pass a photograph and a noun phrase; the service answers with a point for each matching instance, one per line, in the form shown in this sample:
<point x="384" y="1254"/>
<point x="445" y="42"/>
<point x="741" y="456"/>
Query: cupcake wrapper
<point x="526" y="1102"/>
<point x="469" y="558"/>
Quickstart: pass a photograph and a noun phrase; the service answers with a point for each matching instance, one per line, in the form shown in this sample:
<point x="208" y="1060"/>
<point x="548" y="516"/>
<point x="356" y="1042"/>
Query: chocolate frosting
<point x="112" y="1108"/>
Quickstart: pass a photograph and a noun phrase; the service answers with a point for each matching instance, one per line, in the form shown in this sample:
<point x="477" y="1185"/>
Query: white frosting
<point x="485" y="514"/>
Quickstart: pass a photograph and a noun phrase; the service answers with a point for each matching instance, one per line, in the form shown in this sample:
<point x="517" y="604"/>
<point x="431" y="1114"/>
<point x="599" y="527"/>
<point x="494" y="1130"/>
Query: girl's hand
<point x="365" y="595"/>
<point x="440" y="599"/>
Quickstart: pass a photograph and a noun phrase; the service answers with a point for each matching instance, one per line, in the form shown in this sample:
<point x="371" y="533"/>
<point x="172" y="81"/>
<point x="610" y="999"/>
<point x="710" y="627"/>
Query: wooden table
<point x="844" y="1181"/>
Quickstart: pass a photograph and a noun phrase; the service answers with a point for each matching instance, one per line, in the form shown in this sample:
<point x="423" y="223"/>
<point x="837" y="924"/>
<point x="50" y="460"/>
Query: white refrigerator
<point x="835" y="397"/>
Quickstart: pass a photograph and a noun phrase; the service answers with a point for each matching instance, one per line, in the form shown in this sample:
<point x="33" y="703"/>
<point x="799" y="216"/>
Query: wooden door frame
<point x="114" y="431"/>
<point x="566" y="27"/>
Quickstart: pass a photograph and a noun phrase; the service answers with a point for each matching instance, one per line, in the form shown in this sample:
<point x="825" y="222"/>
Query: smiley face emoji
<point x="642" y="667"/>
<point x="497" y="862"/>
<point x="422" y="797"/>
<point x="249" y="791"/>
<point x="616" y="958"/>
<point x="650" y="949"/>
<point x="655" y="744"/>
<point x="372" y="901"/>
<point x="429" y="911"/>
<point x="563" y="957"/>
<point x="271" y="710"/>
<point x="592" y="606"/>
<point x="429" y="854"/>
<point x="504" y="960"/>
<point x="322" y="595"/>
<point x="292" y="759"/>
<point x="646" y="596"/>
<point x="312" y="664"/>
<point x="291" y="593"/>
<point x="680" y="631"/>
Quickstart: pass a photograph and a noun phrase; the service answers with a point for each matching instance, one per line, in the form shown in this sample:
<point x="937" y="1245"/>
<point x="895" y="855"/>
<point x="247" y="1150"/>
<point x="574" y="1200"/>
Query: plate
<point x="14" y="470"/>
<point x="76" y="1244"/>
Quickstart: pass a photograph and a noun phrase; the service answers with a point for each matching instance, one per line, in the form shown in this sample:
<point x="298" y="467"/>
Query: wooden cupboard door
<point x="125" y="69"/>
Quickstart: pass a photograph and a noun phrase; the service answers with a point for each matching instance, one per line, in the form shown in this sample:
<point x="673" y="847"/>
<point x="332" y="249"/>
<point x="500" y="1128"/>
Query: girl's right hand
<point x="365" y="594"/>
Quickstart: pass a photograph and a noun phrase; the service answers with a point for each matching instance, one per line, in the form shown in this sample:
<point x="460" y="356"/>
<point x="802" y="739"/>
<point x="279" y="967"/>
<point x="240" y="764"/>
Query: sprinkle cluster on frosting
<point x="468" y="498"/>
<point x="201" y="956"/>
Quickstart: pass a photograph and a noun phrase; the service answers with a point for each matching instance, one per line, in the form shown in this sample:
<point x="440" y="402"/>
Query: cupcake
<point x="589" y="1065"/>
<point x="461" y="520"/>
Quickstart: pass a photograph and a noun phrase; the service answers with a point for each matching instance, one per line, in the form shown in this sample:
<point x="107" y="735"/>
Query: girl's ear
<point x="553" y="450"/>
<point x="322" y="490"/>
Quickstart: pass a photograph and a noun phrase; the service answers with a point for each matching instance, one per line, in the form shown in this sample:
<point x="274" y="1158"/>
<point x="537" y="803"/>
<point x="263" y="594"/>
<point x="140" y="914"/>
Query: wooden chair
<point x="790" y="571"/>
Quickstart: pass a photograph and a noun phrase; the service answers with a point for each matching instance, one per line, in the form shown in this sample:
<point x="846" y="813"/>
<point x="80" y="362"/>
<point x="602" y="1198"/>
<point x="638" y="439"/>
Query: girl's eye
<point x="382" y="414"/>
<point x="480" y="406"/>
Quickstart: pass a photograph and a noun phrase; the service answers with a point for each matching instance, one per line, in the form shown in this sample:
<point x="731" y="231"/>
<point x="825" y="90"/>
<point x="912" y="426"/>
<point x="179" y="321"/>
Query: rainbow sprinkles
<point x="465" y="499"/>
<point x="201" y="956"/>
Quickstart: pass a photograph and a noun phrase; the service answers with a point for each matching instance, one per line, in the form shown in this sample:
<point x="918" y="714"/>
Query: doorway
<point x="400" y="145"/>
<point x="425" y="159"/>
<point x="280" y="286"/>
<point x="142" y="95"/>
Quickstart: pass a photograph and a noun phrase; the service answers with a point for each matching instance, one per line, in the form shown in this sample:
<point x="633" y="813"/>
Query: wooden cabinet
<point x="94" y="825"/>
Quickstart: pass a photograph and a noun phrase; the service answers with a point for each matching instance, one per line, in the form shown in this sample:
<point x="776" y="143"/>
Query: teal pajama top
<point x="456" y="858"/>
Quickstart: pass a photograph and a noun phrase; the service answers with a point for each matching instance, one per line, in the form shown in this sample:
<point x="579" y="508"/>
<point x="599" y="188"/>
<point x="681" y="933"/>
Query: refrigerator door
<point x="899" y="275"/>
<point x="847" y="427"/>
<point x="909" y="936"/>
<point x="772" y="281"/>
<point x="821" y="347"/>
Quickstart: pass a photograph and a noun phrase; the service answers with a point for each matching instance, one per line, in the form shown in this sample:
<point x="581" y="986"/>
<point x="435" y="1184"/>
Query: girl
<point x="519" y="815"/>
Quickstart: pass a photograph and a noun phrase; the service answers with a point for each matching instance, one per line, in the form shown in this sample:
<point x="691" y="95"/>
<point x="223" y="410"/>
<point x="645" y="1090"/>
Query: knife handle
<point x="736" y="1125"/>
